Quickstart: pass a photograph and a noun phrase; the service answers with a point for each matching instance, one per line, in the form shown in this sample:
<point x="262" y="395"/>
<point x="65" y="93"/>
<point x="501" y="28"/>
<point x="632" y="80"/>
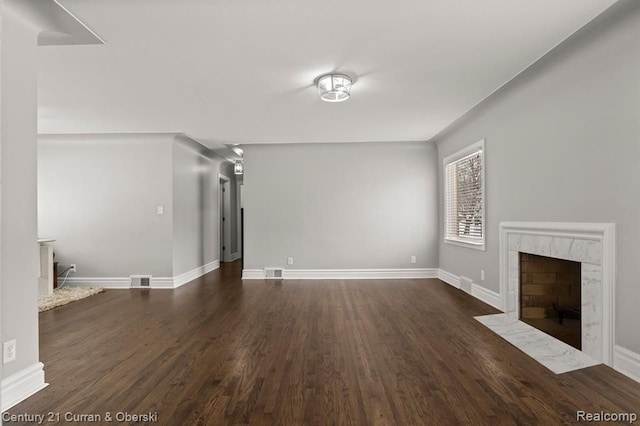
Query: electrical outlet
<point x="413" y="259"/>
<point x="482" y="275"/>
<point x="289" y="260"/>
<point x="160" y="210"/>
<point x="9" y="351"/>
<point x="72" y="267"/>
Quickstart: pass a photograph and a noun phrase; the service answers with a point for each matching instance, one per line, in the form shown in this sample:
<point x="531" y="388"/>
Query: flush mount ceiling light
<point x="334" y="87"/>
<point x="238" y="168"/>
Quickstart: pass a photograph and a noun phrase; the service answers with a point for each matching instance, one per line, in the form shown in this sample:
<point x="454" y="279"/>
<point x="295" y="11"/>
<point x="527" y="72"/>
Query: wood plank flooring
<point x="222" y="351"/>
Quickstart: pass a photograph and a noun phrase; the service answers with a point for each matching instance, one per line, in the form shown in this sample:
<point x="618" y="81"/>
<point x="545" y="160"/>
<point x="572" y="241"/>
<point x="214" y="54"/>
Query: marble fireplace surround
<point x="591" y="244"/>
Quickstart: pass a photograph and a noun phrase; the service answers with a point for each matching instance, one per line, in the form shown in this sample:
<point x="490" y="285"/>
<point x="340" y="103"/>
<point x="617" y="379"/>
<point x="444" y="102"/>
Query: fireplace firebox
<point x="550" y="296"/>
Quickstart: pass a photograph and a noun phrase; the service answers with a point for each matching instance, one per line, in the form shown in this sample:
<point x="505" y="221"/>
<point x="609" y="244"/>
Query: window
<point x="464" y="213"/>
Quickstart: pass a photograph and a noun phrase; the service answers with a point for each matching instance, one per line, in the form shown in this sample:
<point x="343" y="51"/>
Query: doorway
<point x="224" y="201"/>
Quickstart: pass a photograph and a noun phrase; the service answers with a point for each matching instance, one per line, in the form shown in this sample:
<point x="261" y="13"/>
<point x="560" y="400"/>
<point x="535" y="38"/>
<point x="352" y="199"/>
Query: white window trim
<point x="480" y="244"/>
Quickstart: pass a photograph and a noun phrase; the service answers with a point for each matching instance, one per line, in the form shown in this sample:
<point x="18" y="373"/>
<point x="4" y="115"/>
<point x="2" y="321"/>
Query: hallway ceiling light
<point x="238" y="168"/>
<point x="334" y="87"/>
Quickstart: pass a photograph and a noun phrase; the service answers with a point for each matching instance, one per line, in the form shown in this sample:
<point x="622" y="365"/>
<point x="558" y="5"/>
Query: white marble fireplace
<point x="591" y="244"/>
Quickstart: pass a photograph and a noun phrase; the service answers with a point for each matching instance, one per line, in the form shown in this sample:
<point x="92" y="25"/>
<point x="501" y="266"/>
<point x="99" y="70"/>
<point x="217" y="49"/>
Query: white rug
<point x="557" y="356"/>
<point x="64" y="295"/>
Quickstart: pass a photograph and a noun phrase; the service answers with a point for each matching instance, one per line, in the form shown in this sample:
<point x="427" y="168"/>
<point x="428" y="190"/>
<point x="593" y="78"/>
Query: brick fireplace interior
<point x="550" y="297"/>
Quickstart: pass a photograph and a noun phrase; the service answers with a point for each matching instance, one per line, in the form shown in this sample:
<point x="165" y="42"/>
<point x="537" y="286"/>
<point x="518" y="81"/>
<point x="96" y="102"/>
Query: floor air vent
<point x="140" y="280"/>
<point x="275" y="273"/>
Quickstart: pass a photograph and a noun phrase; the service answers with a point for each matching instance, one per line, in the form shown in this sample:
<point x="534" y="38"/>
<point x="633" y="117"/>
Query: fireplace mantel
<point x="591" y="244"/>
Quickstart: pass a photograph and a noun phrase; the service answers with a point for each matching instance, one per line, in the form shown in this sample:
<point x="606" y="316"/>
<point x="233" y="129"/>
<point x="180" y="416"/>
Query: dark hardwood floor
<point x="223" y="351"/>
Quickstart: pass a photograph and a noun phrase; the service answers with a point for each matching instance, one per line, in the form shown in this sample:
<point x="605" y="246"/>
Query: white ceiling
<point x="242" y="71"/>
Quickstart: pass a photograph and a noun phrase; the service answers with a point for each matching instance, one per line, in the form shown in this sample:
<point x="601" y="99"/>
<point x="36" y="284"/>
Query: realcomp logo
<point x="602" y="416"/>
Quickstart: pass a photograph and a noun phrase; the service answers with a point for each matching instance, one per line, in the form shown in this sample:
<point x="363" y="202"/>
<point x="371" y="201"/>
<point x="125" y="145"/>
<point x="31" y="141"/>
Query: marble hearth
<point x="591" y="244"/>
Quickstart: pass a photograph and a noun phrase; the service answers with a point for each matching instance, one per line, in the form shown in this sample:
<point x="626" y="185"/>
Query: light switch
<point x="160" y="210"/>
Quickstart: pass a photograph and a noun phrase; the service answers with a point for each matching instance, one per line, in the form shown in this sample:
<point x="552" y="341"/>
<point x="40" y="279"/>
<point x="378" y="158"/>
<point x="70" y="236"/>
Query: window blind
<point x="464" y="201"/>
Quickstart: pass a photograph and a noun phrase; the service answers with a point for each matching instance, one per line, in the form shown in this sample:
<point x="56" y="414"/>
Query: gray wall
<point x="341" y="206"/>
<point x="195" y="207"/>
<point x="562" y="144"/>
<point x="19" y="223"/>
<point x="98" y="197"/>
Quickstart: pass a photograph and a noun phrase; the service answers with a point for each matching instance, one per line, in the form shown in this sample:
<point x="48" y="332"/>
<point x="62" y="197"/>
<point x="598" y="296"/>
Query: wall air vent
<point x="273" y="273"/>
<point x="140" y="281"/>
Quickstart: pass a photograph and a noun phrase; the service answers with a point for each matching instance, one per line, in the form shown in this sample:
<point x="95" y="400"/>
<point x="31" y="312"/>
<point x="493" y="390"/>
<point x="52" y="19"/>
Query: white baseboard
<point x="160" y="282"/>
<point x="191" y="275"/>
<point x="487" y="296"/>
<point x="234" y="256"/>
<point x="449" y="278"/>
<point x="479" y="292"/>
<point x="104" y="282"/>
<point x="358" y="274"/>
<point x="116" y="282"/>
<point x="626" y="362"/>
<point x="253" y="274"/>
<point x="21" y="385"/>
<point x="156" y="282"/>
<point x="345" y="274"/>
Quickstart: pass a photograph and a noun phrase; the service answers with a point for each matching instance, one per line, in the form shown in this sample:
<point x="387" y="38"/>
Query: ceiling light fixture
<point x="238" y="168"/>
<point x="334" y="87"/>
